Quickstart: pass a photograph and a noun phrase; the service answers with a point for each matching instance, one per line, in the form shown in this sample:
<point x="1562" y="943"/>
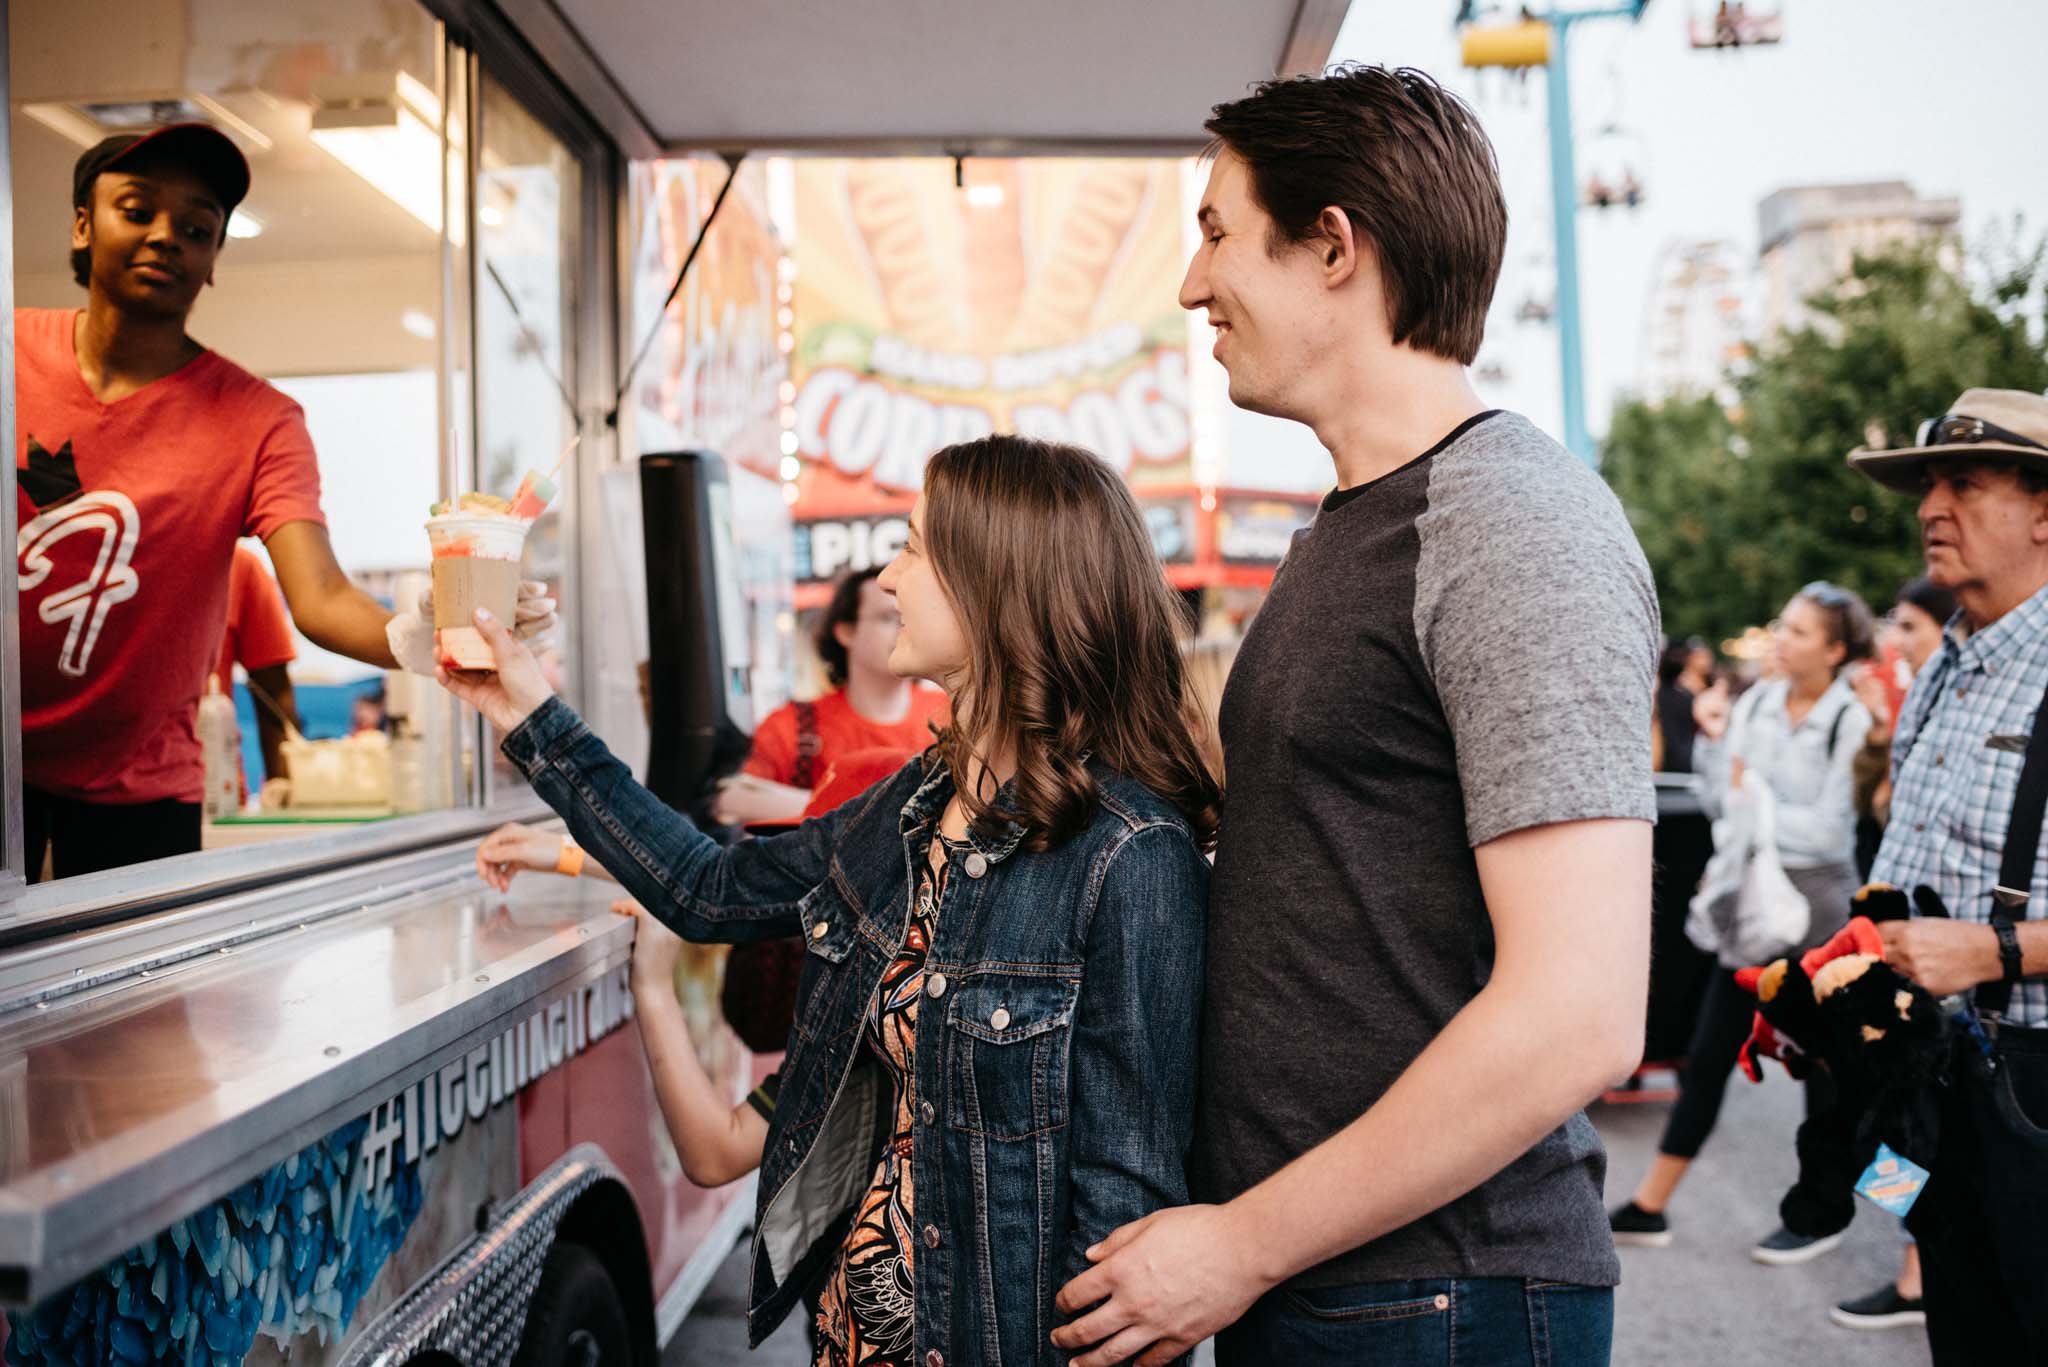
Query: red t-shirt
<point x="259" y="630"/>
<point x="129" y="513"/>
<point x="841" y="731"/>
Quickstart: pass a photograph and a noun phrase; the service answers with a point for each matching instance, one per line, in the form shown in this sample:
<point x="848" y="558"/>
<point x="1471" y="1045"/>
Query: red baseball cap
<point x="200" y="148"/>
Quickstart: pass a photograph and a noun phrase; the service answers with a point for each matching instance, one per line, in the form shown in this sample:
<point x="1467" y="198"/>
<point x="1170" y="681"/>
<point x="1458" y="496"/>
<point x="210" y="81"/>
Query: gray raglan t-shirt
<point x="1461" y="649"/>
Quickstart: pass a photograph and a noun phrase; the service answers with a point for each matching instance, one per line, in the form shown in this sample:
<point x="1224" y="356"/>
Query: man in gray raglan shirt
<point x="1429" y="927"/>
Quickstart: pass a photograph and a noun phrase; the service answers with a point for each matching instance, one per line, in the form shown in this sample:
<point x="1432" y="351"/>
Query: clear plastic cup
<point x="477" y="559"/>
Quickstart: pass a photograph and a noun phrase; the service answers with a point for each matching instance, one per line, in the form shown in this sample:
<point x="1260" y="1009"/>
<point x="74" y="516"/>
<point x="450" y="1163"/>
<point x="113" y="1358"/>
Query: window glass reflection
<point x="230" y="373"/>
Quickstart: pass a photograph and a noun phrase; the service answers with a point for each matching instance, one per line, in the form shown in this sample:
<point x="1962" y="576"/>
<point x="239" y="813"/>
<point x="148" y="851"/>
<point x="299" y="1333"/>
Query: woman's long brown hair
<point x="1070" y="631"/>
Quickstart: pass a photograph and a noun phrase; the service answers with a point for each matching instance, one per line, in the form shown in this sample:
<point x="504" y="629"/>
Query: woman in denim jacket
<point x="993" y="1060"/>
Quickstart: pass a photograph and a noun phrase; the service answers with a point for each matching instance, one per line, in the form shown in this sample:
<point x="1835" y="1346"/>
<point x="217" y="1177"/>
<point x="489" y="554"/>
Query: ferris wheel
<point x="1698" y="317"/>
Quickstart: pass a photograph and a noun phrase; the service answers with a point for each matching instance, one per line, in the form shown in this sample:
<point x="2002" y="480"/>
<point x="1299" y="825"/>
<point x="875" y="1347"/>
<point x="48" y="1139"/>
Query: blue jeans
<point x="1475" y="1321"/>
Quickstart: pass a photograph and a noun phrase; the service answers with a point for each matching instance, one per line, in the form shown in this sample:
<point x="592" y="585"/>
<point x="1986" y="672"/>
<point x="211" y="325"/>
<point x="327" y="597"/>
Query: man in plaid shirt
<point x="1981" y="473"/>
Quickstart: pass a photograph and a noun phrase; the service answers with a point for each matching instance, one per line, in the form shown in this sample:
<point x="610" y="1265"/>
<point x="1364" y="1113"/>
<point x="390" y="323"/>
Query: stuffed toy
<point x="1882" y="1041"/>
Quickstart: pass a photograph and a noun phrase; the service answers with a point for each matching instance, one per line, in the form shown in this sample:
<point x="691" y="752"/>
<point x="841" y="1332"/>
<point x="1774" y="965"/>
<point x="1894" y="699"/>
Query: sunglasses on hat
<point x="1955" y="429"/>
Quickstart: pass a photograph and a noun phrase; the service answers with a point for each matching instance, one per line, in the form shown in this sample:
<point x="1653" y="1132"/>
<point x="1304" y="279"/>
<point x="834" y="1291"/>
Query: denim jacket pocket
<point x="829" y="923"/>
<point x="1010" y="1036"/>
<point x="829" y="933"/>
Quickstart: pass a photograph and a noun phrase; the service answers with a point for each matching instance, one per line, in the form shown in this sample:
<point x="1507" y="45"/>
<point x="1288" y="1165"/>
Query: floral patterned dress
<point x="866" y="1314"/>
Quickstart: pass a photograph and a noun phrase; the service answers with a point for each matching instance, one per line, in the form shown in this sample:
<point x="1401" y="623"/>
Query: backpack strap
<point x="1835" y="730"/>
<point x="2022" y="841"/>
<point x="807" y="745"/>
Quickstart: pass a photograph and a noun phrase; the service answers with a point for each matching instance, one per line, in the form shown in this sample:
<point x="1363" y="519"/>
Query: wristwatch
<point x="570" y="861"/>
<point x="2008" y="948"/>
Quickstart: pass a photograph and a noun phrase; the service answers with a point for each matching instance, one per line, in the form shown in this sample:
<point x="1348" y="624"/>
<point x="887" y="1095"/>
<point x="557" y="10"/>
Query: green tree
<point x="1736" y="513"/>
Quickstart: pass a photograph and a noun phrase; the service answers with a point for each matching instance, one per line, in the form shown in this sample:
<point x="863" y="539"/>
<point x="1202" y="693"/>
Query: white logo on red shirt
<point x="112" y="580"/>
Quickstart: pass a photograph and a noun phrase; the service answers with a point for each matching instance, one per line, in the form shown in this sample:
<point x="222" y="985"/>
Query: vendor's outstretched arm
<point x="325" y="603"/>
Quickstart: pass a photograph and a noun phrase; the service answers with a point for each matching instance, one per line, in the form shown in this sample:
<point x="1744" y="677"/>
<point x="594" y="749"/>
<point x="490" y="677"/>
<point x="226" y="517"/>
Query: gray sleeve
<point x="1537" y="619"/>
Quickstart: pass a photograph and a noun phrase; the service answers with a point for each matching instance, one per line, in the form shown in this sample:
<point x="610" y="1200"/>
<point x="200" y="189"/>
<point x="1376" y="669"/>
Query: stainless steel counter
<point x="126" y="1106"/>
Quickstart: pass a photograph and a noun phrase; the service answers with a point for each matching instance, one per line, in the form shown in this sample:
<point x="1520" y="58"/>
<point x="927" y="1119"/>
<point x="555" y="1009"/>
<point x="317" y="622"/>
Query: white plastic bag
<point x="1748" y="911"/>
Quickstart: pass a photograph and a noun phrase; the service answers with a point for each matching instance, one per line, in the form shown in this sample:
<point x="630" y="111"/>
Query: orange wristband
<point x="570" y="861"/>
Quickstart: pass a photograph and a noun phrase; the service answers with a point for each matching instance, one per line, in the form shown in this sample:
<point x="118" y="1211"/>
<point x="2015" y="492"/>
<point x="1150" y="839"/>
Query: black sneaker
<point x="1639" y="1228"/>
<point x="1783" y="1248"/>
<point x="1884" y="1308"/>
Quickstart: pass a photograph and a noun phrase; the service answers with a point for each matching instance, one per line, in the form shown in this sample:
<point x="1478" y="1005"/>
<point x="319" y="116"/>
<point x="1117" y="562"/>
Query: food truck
<point x="314" y="1093"/>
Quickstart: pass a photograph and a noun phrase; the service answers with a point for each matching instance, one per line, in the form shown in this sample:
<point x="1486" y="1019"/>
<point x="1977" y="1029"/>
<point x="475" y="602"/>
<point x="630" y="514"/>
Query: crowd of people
<point x="1814" y="723"/>
<point x="1090" y="1060"/>
<point x="1897" y="757"/>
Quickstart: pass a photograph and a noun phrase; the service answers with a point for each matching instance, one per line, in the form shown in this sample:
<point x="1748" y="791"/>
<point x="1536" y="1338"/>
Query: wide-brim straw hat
<point x="2006" y="426"/>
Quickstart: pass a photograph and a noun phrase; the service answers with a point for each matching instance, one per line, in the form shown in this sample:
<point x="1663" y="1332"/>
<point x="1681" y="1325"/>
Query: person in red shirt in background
<point x="866" y="708"/>
<point x="142" y="458"/>
<point x="259" y="639"/>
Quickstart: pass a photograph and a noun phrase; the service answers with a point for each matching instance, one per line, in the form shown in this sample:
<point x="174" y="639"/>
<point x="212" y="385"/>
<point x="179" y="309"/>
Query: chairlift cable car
<point x="1730" y="24"/>
<point x="1615" y="162"/>
<point x="1539" y="290"/>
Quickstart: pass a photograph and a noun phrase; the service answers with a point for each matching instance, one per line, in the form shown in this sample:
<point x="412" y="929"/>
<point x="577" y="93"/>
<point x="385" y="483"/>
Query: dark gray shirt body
<point x="1461" y="649"/>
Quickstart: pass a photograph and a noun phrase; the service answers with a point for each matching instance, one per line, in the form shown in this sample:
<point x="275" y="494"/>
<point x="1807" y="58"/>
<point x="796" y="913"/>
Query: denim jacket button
<point x="934" y="1359"/>
<point x="977" y="864"/>
<point x="1000" y="1020"/>
<point x="927" y="1112"/>
<point x="935" y="986"/>
<point x="931" y="1236"/>
<point x="820" y="929"/>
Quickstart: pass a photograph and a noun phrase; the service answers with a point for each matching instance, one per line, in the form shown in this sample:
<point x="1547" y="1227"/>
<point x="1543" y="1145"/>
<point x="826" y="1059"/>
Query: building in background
<point x="1809" y="235"/>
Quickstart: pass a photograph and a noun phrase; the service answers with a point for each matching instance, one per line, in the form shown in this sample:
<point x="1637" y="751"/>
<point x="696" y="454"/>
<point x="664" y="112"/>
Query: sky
<point x="1950" y="97"/>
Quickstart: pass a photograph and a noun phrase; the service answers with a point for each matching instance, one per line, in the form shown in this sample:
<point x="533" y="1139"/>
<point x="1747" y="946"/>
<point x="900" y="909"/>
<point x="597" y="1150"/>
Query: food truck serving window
<point x="252" y="355"/>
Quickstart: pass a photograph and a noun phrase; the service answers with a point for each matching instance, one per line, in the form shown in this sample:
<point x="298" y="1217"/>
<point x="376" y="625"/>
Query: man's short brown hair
<point x="1407" y="162"/>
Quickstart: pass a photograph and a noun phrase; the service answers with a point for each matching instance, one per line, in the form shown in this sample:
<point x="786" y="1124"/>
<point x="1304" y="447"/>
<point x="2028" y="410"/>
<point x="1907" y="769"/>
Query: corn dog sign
<point x="1034" y="296"/>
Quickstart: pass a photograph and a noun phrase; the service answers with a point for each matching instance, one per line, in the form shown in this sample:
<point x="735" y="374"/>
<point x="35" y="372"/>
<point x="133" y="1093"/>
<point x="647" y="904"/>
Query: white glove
<point x="411" y="634"/>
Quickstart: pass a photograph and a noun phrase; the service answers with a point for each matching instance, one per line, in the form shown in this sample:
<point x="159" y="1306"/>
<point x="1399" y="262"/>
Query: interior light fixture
<point x="243" y="224"/>
<point x="390" y="135"/>
<point x="420" y="325"/>
<point x="66" y="122"/>
<point x="84" y="124"/>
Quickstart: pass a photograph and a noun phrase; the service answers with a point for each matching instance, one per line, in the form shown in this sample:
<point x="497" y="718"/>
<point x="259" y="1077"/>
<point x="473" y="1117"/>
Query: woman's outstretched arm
<point x="695" y="886"/>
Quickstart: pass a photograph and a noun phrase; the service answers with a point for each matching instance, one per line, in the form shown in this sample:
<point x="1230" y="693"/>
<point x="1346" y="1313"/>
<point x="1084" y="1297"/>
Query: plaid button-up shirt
<point x="1956" y="757"/>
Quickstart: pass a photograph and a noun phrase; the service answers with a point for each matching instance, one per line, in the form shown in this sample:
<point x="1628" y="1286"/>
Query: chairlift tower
<point x="1544" y="39"/>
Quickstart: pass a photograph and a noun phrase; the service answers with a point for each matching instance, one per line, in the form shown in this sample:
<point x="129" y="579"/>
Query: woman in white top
<point x="1800" y="733"/>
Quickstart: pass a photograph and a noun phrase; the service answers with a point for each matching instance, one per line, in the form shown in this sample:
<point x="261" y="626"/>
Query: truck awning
<point x="907" y="77"/>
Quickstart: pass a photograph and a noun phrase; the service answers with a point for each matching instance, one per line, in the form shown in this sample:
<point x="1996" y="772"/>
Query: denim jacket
<point x="1055" y="1058"/>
